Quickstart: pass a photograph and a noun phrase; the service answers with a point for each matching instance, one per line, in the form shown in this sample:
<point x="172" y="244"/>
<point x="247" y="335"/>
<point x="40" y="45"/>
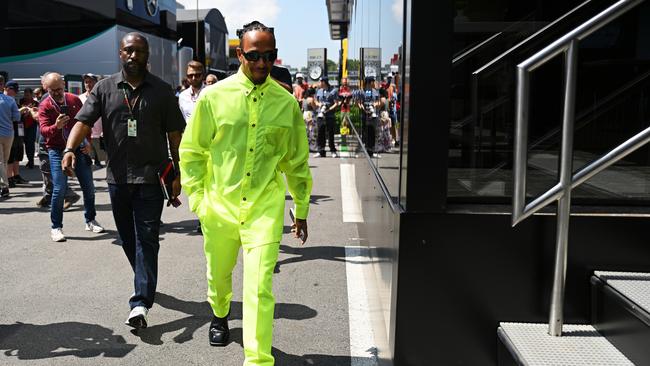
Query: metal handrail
<point x="497" y="59"/>
<point x="463" y="56"/>
<point x="567" y="182"/>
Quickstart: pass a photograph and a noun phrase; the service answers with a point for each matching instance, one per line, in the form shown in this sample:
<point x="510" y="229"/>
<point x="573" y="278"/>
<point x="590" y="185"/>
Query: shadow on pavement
<point x="308" y="253"/>
<point x="18" y="210"/>
<point x="77" y="207"/>
<point x="314" y="199"/>
<point x="107" y="234"/>
<point x="187" y="227"/>
<point x="329" y="253"/>
<point x="285" y="359"/>
<point x="200" y="314"/>
<point x="31" y="341"/>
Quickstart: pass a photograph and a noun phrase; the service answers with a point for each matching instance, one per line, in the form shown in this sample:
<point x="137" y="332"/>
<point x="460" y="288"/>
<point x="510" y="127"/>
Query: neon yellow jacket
<point x="238" y="141"/>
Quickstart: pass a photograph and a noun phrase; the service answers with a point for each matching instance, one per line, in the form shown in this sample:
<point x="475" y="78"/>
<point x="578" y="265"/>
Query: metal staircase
<point x="621" y="301"/>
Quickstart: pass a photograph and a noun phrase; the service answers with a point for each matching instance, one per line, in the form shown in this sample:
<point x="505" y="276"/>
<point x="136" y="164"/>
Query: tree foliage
<point x="331" y="65"/>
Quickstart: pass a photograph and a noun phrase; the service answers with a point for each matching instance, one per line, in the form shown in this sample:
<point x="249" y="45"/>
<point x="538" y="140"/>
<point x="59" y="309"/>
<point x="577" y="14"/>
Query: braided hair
<point x="254" y="26"/>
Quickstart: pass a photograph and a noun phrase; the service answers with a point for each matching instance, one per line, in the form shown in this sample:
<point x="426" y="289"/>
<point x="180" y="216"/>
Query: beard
<point x="133" y="69"/>
<point x="196" y="83"/>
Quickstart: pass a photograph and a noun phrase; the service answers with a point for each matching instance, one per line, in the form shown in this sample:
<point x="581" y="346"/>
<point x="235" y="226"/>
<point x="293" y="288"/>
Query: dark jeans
<point x="137" y="209"/>
<point x="30" y="143"/>
<point x="84" y="173"/>
<point x="369" y="133"/>
<point x="326" y="129"/>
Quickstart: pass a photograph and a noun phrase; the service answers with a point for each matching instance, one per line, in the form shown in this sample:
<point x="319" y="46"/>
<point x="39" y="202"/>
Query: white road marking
<point x="363" y="351"/>
<point x="350" y="201"/>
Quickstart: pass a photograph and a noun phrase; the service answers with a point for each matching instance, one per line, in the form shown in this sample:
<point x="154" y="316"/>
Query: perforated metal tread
<point x="633" y="285"/>
<point x="579" y="345"/>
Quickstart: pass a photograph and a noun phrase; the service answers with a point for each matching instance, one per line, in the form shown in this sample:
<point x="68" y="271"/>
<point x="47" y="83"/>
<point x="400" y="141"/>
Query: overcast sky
<point x="303" y="24"/>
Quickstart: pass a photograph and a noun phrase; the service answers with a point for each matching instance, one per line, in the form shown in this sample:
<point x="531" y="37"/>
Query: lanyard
<point x="128" y="103"/>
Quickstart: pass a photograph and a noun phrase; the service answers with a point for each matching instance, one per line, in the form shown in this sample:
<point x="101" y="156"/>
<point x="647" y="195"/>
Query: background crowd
<point x="373" y="109"/>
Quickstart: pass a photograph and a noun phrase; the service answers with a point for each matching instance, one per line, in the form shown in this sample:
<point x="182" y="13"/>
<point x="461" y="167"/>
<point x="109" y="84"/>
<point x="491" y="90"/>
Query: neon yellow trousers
<point x="259" y="303"/>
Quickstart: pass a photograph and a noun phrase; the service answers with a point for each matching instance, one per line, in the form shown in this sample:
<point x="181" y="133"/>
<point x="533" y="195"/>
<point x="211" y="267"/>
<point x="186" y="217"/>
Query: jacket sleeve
<point x="48" y="128"/>
<point x="174" y="115"/>
<point x="295" y="165"/>
<point x="91" y="110"/>
<point x="194" y="152"/>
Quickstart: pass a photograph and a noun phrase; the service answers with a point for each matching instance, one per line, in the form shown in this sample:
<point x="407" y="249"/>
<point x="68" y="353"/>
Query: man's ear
<point x="240" y="54"/>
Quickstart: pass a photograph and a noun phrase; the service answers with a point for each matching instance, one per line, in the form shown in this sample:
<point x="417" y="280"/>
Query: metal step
<point x="530" y="344"/>
<point x="633" y="285"/>
<point x="621" y="311"/>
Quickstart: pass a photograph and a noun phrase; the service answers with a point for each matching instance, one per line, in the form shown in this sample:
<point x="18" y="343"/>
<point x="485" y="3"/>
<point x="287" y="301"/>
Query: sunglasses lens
<point x="252" y="56"/>
<point x="271" y="56"/>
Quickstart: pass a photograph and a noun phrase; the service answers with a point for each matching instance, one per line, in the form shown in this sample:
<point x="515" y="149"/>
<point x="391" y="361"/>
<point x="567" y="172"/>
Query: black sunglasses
<point x="268" y="56"/>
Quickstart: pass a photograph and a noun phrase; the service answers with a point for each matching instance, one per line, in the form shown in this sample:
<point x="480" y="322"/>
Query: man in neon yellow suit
<point x="243" y="134"/>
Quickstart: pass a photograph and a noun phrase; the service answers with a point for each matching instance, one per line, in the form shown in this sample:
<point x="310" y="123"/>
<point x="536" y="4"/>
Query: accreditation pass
<point x="132" y="126"/>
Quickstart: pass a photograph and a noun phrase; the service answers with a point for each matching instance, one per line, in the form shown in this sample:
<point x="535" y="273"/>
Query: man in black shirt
<point x="140" y="116"/>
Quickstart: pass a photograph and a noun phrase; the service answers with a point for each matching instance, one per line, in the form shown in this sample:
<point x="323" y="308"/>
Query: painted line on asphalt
<point x="350" y="201"/>
<point x="363" y="351"/>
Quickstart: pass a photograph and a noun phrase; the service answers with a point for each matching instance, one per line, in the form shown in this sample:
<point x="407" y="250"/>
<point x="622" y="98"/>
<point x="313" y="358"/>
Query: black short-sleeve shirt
<point x="133" y="160"/>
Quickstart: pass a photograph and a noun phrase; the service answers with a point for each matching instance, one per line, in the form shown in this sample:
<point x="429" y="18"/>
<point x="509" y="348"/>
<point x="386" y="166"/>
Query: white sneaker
<point x="94" y="226"/>
<point x="137" y="317"/>
<point x="57" y="235"/>
<point x="335" y="155"/>
<point x="316" y="155"/>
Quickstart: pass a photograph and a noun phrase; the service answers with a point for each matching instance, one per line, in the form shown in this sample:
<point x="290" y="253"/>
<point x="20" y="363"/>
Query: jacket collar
<point x="248" y="84"/>
<point x="119" y="78"/>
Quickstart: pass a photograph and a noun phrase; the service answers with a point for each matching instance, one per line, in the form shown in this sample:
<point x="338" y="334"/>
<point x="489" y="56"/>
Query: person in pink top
<point x="96" y="133"/>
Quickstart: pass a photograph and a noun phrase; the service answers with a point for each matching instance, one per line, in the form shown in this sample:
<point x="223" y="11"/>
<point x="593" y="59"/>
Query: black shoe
<point x="218" y="334"/>
<point x="68" y="202"/>
<point x="43" y="202"/>
<point x="30" y="165"/>
<point x="12" y="182"/>
<point x="20" y="180"/>
<point x="4" y="192"/>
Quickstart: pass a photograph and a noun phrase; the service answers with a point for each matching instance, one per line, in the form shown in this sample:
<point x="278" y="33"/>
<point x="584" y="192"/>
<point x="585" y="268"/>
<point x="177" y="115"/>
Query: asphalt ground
<point x="65" y="303"/>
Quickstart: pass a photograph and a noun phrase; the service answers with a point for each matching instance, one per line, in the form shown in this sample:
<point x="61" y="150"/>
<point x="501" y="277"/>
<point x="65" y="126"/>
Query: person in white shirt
<point x="187" y="98"/>
<point x="96" y="133"/>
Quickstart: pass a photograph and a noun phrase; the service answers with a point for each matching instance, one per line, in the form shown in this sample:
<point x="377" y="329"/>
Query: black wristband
<point x="67" y="150"/>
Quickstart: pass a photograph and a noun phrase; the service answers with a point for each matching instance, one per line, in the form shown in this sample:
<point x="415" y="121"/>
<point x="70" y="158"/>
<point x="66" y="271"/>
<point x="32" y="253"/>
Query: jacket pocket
<point x="274" y="140"/>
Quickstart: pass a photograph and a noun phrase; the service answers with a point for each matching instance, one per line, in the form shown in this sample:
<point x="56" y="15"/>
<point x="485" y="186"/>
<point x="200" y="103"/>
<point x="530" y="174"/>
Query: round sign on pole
<point x="315" y="72"/>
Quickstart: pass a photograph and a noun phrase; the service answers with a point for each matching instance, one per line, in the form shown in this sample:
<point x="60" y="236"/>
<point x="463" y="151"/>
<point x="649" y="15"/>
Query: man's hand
<point x="68" y="164"/>
<point x="176" y="191"/>
<point x="176" y="187"/>
<point x="86" y="149"/>
<point x="62" y="120"/>
<point x="301" y="230"/>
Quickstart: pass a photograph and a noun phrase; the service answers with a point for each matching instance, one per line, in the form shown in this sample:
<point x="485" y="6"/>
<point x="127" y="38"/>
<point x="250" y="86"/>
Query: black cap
<point x="11" y="84"/>
<point x="369" y="79"/>
<point x="325" y="78"/>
